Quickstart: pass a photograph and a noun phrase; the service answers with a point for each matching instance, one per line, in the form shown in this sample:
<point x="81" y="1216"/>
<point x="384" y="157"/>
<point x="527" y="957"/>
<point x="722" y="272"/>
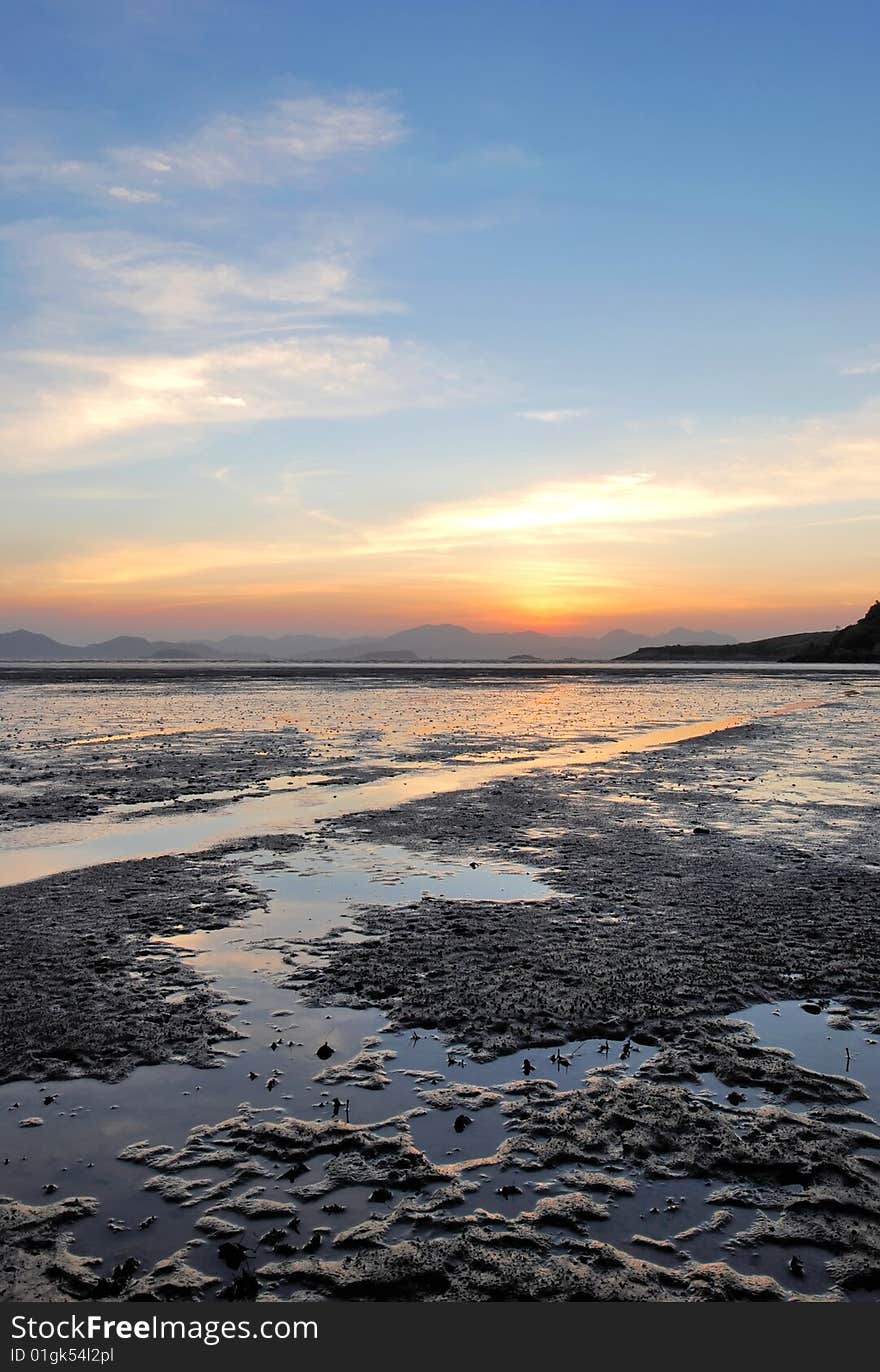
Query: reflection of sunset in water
<point x="198" y="762"/>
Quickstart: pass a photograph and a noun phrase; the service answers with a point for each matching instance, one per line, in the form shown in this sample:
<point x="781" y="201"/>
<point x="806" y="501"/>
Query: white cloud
<point x="130" y="337"/>
<point x="537" y="533"/>
<point x="281" y="141"/>
<point x="825" y="461"/>
<point x="180" y="286"/>
<point x="287" y="485"/>
<point x="133" y="197"/>
<point x="76" y="402"/>
<point x="284" y="140"/>
<point x="559" y="521"/>
<point x="568" y="508"/>
<point x="868" y="367"/>
<point x="553" y="416"/>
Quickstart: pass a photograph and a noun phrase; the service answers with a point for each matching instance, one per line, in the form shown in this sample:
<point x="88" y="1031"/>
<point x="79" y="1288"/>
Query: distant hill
<point x="781" y="649"/>
<point x="859" y="642"/>
<point x="425" y="643"/>
<point x="289" y="645"/>
<point x="389" y="655"/>
<point x="127" y="649"/>
<point x="452" y="643"/>
<point x="23" y="646"/>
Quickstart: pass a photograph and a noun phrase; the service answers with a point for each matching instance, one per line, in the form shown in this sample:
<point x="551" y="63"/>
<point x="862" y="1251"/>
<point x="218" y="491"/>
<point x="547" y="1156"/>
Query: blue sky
<point x="355" y="315"/>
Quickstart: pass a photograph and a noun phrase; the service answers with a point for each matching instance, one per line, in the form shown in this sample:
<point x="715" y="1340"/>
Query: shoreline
<point x="106" y="673"/>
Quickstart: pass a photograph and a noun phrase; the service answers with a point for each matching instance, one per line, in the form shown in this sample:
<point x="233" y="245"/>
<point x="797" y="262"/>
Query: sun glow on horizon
<point x="344" y="353"/>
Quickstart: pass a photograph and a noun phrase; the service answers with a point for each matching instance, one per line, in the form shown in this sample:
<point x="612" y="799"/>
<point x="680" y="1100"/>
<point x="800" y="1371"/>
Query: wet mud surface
<point x="659" y="918"/>
<point x="75" y="749"/>
<point x="125" y="748"/>
<point x="85" y="989"/>
<point x="608" y="1032"/>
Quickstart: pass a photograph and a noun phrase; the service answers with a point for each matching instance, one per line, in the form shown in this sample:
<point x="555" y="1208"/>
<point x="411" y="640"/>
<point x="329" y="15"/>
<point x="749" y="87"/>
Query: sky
<point x="347" y="317"/>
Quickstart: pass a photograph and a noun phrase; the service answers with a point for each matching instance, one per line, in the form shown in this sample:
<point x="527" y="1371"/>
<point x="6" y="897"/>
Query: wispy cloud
<point x="553" y="523"/>
<point x="554" y="416"/>
<point x="77" y="401"/>
<point x="602" y="508"/>
<point x="868" y="366"/>
<point x="110" y="278"/>
<point x="282" y="141"/>
<point x="133" y="197"/>
<point x="127" y="335"/>
<point x="288" y="486"/>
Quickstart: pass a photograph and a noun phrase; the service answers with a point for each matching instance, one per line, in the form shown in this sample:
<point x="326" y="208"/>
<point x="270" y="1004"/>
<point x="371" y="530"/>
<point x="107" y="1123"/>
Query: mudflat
<point x="601" y="1027"/>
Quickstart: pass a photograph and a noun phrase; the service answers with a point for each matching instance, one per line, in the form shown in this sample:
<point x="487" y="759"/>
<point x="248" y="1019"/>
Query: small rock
<point x="233" y="1254"/>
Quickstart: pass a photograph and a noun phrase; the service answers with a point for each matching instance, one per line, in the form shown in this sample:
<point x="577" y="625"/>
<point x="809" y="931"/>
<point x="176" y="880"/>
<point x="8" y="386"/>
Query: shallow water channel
<point x="286" y="804"/>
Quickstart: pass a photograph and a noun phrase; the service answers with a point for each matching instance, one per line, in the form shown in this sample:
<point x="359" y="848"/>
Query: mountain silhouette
<point x="424" y="643"/>
<point x="859" y="642"/>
